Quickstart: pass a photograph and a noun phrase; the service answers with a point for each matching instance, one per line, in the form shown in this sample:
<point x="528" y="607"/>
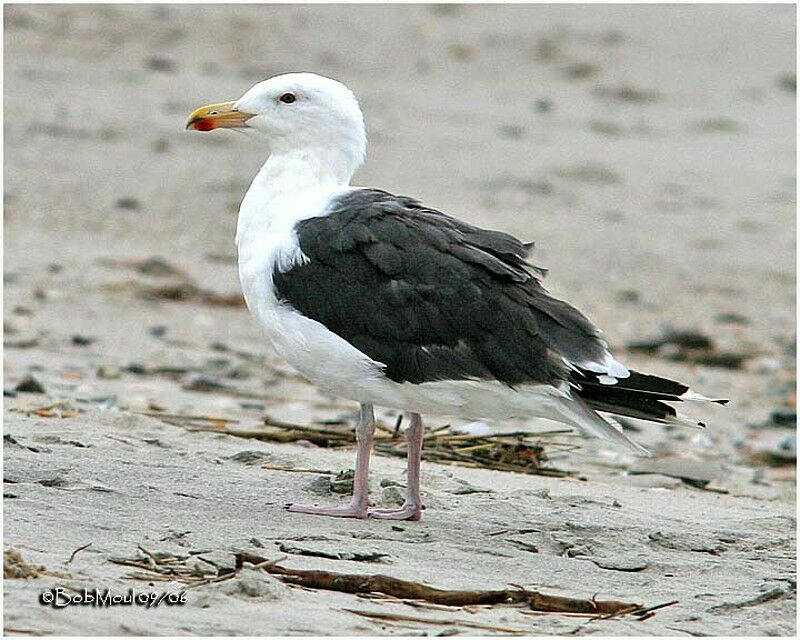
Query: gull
<point x="377" y="298"/>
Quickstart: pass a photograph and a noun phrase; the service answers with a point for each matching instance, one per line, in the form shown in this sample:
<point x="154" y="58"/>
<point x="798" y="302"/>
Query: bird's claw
<point x="348" y="511"/>
<point x="409" y="511"/>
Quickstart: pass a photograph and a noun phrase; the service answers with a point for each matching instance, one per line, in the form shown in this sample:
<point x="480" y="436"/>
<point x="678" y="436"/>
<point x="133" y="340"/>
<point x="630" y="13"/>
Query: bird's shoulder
<point x="387" y="227"/>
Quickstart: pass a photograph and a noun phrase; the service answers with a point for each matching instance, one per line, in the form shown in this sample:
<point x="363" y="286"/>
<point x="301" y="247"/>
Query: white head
<point x="295" y="114"/>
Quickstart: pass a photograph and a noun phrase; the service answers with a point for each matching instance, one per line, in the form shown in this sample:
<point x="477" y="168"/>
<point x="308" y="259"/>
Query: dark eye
<point x="287" y="98"/>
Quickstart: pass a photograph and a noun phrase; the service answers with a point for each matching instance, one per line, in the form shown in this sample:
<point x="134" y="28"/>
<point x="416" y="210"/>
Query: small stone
<point x="29" y="384"/>
<point x="108" y="372"/>
<point x="629" y="295"/>
<point x="136" y="368"/>
<point x="627" y="93"/>
<point x="163" y="65"/>
<point x="343" y="482"/>
<point x="731" y="318"/>
<point x="199" y="382"/>
<point x="131" y="204"/>
<point x="157" y="331"/>
<point x="464" y="488"/>
<point x="580" y="70"/>
<point x="223" y="561"/>
<point x="157" y="267"/>
<point x="255" y="406"/>
<point x="621" y="563"/>
<point x="321" y="486"/>
<point x="254" y="583"/>
<point x="136" y="403"/>
<point x="393" y="495"/>
<point x="199" y="568"/>
<point x="783" y="419"/>
<point x="249" y="456"/>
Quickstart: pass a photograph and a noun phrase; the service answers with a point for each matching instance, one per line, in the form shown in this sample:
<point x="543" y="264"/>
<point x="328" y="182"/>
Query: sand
<point x="648" y="150"/>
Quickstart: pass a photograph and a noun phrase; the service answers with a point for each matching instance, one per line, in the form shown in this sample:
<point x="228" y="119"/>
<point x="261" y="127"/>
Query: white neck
<point x="307" y="168"/>
<point x="292" y="186"/>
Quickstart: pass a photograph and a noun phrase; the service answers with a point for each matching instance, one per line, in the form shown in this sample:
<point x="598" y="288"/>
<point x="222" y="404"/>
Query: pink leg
<point x="412" y="507"/>
<point x="358" y="505"/>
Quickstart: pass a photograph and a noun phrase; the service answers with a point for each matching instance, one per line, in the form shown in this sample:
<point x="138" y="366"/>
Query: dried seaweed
<point x="161" y="566"/>
<point x="518" y="452"/>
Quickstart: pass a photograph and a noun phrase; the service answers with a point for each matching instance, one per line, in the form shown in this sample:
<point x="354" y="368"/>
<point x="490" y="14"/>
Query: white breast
<point x="266" y="239"/>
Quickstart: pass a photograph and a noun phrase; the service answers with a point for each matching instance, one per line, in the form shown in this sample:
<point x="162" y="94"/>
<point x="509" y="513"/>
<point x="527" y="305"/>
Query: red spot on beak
<point x="204" y="124"/>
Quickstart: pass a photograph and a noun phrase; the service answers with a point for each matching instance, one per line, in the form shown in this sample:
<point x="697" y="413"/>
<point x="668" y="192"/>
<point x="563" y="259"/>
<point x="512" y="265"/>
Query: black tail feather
<point x="638" y="396"/>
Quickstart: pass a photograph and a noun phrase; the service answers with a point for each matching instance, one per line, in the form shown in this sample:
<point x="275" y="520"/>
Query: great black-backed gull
<point x="377" y="298"/>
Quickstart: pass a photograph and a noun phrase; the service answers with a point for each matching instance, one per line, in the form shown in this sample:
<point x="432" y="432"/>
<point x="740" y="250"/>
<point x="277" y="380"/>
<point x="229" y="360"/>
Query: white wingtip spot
<point x="606" y="380"/>
<point x="617" y="369"/>
<point x="594" y="367"/>
<point x="611" y="368"/>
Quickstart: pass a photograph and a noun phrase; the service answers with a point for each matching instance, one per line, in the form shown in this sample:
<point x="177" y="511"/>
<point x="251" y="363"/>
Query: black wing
<point x="432" y="297"/>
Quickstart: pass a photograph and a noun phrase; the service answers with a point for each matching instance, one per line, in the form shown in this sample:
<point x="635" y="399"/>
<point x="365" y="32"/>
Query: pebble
<point x="108" y="372"/>
<point x="257" y="406"/>
<point x="199" y="382"/>
<point x="29" y="384"/>
<point x="464" y="488"/>
<point x="157" y="331"/>
<point x="199" y="568"/>
<point x="321" y="486"/>
<point x="621" y="563"/>
<point x="131" y="204"/>
<point x="343" y="482"/>
<point x="777" y="419"/>
<point x="393" y="495"/>
<point x="731" y="318"/>
<point x="249" y="456"/>
<point x="254" y="583"/>
<point x="223" y="561"/>
<point x="136" y="403"/>
<point x="157" y="63"/>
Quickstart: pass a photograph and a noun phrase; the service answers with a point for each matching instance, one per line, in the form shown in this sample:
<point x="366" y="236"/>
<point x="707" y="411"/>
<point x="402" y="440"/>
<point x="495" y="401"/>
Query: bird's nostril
<point x="213" y="113"/>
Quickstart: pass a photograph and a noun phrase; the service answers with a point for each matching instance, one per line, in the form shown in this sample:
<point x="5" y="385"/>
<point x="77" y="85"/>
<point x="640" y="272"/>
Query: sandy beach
<point x="649" y="151"/>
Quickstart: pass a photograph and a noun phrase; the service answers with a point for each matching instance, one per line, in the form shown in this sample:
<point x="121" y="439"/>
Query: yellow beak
<point x="218" y="116"/>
